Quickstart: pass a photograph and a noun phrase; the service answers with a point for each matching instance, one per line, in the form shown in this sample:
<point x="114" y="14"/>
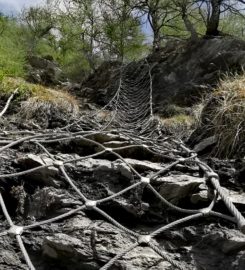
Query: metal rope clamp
<point x="205" y="211"/>
<point x="145" y="180"/>
<point x="15" y="230"/>
<point x="193" y="154"/>
<point x="58" y="163"/>
<point x="144" y="239"/>
<point x="90" y="205"/>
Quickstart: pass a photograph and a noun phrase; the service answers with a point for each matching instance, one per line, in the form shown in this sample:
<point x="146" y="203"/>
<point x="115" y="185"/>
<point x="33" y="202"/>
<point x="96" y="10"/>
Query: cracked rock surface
<point x="87" y="240"/>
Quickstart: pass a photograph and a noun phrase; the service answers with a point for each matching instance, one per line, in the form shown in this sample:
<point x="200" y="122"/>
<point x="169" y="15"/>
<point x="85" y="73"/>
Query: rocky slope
<point x="51" y="175"/>
<point x="182" y="71"/>
<point x="35" y="189"/>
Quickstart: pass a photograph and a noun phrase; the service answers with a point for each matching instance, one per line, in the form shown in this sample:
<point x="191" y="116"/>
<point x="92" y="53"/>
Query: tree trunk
<point x="213" y="21"/>
<point x="156" y="40"/>
<point x="156" y="31"/>
<point x="189" y="26"/>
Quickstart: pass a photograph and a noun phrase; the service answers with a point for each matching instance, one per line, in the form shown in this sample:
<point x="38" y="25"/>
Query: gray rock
<point x="220" y="248"/>
<point x="87" y="243"/>
<point x="176" y="187"/>
<point x="102" y="165"/>
<point x="205" y="143"/>
<point x="201" y="196"/>
<point x="47" y="176"/>
<point x="115" y="144"/>
<point x="61" y="244"/>
<point x="106" y="137"/>
<point x="143" y="165"/>
<point x="9" y="257"/>
<point x="182" y="71"/>
<point x="47" y="200"/>
<point x="123" y="168"/>
<point x="44" y="71"/>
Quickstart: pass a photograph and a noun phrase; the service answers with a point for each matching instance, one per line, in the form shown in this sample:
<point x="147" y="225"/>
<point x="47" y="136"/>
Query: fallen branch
<point x="8" y="102"/>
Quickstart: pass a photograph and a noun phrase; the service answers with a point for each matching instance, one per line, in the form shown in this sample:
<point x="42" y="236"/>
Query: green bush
<point x="12" y="50"/>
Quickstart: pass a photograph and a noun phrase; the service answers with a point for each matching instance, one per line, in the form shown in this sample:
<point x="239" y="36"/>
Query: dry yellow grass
<point x="226" y="114"/>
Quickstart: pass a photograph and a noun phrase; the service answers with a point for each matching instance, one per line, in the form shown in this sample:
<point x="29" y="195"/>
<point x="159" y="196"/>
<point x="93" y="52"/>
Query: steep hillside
<point x="182" y="71"/>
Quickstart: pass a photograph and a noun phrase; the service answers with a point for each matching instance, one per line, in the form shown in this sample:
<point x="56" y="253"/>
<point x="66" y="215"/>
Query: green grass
<point x="12" y="50"/>
<point x="25" y="90"/>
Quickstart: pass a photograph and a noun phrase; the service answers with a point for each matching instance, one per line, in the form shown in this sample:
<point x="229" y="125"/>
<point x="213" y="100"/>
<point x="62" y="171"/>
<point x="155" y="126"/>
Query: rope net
<point x="130" y="109"/>
<point x="131" y="120"/>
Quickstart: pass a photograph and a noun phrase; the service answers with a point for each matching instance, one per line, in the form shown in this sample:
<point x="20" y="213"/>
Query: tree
<point x="39" y="21"/>
<point x="122" y="30"/>
<point x="86" y="18"/>
<point x="183" y="8"/>
<point x="211" y="11"/>
<point x="214" y="18"/>
<point x="157" y="12"/>
<point x="233" y="25"/>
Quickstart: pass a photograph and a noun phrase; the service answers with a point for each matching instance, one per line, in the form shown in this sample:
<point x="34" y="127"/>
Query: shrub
<point x="224" y="116"/>
<point x="12" y="50"/>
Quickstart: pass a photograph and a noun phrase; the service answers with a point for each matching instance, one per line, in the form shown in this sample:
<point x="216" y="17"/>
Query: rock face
<point x="87" y="239"/>
<point x="174" y="188"/>
<point x="182" y="71"/>
<point x="101" y="83"/>
<point x="185" y="71"/>
<point x="44" y="71"/>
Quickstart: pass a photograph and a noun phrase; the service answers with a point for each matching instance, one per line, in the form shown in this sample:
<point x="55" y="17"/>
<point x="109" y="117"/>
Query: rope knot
<point x="15" y="230"/>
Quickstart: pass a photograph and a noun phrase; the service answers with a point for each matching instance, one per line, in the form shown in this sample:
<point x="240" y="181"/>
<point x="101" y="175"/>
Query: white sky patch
<point x="17" y="5"/>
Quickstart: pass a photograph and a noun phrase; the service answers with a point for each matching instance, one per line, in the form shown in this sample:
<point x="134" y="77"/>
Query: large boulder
<point x="44" y="71"/>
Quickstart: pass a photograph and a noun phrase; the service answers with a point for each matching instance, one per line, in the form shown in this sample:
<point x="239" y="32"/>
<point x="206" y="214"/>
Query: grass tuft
<point x="180" y="125"/>
<point x="224" y="116"/>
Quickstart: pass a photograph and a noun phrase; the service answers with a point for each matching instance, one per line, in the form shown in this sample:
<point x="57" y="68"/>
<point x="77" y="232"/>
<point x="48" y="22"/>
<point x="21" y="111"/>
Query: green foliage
<point x="72" y="49"/>
<point x="74" y="65"/>
<point x="125" y="38"/>
<point x="176" y="27"/>
<point x="12" y="50"/>
<point x="82" y="37"/>
<point x="38" y="22"/>
<point x="234" y="25"/>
